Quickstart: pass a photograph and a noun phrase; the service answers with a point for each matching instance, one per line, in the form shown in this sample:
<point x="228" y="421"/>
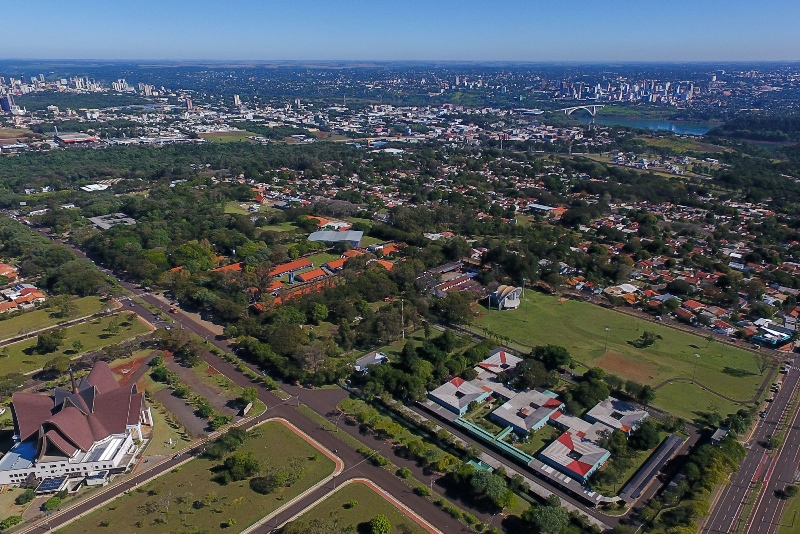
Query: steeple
<point x="72" y="379"/>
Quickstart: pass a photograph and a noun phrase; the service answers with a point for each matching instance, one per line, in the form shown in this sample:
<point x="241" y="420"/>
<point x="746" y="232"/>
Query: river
<point x="678" y="127"/>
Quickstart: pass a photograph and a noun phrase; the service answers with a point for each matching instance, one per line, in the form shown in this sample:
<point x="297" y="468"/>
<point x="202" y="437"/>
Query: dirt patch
<point x="211" y="371"/>
<point x="617" y="364"/>
<point x="127" y="370"/>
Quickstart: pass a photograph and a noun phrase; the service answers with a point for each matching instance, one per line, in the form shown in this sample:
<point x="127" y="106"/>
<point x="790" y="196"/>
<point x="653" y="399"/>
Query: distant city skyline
<point x="466" y="30"/>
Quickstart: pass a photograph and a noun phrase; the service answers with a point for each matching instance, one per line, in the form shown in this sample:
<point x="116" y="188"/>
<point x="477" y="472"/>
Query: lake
<point x="678" y="127"/>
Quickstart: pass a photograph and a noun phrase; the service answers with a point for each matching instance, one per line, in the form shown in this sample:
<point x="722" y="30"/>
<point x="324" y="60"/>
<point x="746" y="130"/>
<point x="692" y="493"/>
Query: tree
<point x="645" y="437"/>
<point x="646" y="395"/>
<point x="380" y="524"/>
<point x="547" y="519"/>
<point x="318" y="313"/>
<point x="51" y="504"/>
<point x="59" y="364"/>
<point x="763" y="361"/>
<point x="455" y="308"/>
<point x="77" y="346"/>
<point x="249" y="395"/>
<point x="552" y="356"/>
<point x="48" y="342"/>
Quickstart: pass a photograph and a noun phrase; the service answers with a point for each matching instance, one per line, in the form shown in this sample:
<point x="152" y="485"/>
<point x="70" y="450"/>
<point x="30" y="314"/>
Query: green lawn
<point x="637" y="462"/>
<point x="170" y="503"/>
<point x="322" y="258"/>
<point x="162" y="432"/>
<point x="480" y="417"/>
<point x="224" y="386"/>
<point x="687" y="400"/>
<point x="38" y="319"/>
<point x="22" y="359"/>
<point x="7" y="505"/>
<point x="581" y="328"/>
<point x="790" y="523"/>
<point x="538" y="440"/>
<point x="335" y="513"/>
<point x="236" y="207"/>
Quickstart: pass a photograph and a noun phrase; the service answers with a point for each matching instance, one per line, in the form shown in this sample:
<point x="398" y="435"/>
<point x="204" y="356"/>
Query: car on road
<point x="173" y="310"/>
<point x="762" y="415"/>
<point x="770" y="399"/>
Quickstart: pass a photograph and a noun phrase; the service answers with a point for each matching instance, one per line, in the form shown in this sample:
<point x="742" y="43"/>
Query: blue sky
<point x="505" y="30"/>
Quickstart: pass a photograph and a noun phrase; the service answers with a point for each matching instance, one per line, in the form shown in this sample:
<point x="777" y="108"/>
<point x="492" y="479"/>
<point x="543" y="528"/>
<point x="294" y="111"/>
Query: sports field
<point x="599" y="337"/>
<point x="354" y="506"/>
<point x="188" y="499"/>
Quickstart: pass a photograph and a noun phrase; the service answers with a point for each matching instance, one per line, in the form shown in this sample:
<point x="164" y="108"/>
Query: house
<point x="527" y="411"/>
<point x="92" y="427"/>
<point x="335" y="265"/>
<point x="499" y="361"/>
<point x="579" y="427"/>
<point x="506" y="297"/>
<point x="617" y="415"/>
<point x="574" y="456"/>
<point x="457" y="394"/>
<point x="373" y="358"/>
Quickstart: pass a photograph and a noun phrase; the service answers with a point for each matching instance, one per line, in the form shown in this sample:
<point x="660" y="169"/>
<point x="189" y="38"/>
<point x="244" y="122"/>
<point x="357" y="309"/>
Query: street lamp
<point x="608" y="329"/>
<point x="694" y="373"/>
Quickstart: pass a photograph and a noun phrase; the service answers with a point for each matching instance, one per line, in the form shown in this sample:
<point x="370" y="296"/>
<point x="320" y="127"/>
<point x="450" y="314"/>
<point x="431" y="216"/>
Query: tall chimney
<point x="72" y="379"/>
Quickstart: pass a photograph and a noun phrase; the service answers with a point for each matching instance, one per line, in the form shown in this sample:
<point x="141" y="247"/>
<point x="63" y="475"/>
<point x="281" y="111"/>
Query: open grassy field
<point x="790" y="523"/>
<point x="189" y="500"/>
<point x="367" y="241"/>
<point x="680" y="145"/>
<point x="14" y="133"/>
<point x="38" y="319"/>
<point x="227" y="137"/>
<point x="336" y="509"/>
<point x="7" y="505"/>
<point x="581" y="328"/>
<point x="322" y="258"/>
<point x="23" y="359"/>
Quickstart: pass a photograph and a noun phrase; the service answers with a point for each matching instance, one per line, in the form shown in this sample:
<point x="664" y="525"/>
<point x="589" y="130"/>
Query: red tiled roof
<point x="233" y="267"/>
<point x="311" y="275"/>
<point x="295" y="265"/>
<point x="336" y="264"/>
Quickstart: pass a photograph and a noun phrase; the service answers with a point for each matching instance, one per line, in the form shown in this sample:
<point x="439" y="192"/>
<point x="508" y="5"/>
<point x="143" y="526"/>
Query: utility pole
<point x="694" y="373"/>
<point x="607" y="331"/>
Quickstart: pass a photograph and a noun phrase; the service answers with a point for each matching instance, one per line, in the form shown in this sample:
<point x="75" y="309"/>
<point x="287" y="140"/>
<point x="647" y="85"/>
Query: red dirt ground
<point x="128" y="369"/>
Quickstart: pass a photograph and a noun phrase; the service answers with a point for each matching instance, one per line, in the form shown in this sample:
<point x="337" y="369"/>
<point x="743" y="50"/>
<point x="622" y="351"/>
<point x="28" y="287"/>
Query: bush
<point x="422" y="491"/>
<point x="380" y="525"/>
<point x="404" y="472"/>
<point x="9" y="522"/>
<point x="25" y="497"/>
<point x="52" y="504"/>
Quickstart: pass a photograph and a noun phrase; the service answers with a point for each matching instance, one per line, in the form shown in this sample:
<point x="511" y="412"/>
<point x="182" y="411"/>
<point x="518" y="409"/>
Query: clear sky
<point x="504" y="30"/>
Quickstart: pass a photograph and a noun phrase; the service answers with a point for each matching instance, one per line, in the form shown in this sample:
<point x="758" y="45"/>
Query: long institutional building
<point x="75" y="433"/>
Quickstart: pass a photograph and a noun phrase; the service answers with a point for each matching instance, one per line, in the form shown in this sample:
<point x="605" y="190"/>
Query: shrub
<point x="404" y="472"/>
<point x="422" y="491"/>
<point x="25" y="497"/>
<point x="52" y="504"/>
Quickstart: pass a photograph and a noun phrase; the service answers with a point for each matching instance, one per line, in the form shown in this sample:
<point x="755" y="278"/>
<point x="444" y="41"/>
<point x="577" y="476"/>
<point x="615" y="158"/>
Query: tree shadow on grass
<point x="738" y="373"/>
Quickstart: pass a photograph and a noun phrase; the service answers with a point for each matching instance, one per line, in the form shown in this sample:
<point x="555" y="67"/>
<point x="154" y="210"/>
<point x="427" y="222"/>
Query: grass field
<point x="22" y="359"/>
<point x="790" y="523"/>
<point x="7" y="505"/>
<point x="679" y="145"/>
<point x="367" y="241"/>
<point x="162" y="432"/>
<point x="189" y="500"/>
<point x="14" y="133"/>
<point x="38" y="319"/>
<point x="581" y="328"/>
<point x="322" y="258"/>
<point x="336" y="509"/>
<point x="227" y="137"/>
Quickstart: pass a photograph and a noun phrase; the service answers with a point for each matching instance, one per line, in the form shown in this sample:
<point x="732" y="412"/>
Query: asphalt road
<point x="766" y="516"/>
<point x="759" y="466"/>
